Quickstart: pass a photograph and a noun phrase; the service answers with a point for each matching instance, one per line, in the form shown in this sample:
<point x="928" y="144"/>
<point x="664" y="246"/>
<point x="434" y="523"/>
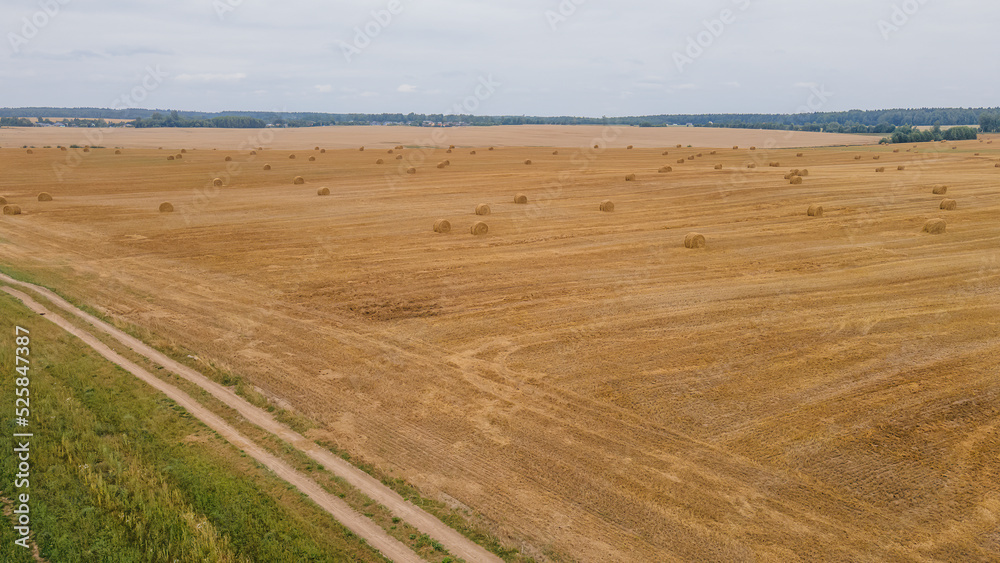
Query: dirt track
<point x="802" y="389"/>
<point x="337" y="508"/>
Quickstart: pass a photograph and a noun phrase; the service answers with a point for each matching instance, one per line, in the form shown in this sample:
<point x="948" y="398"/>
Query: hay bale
<point x="442" y="226"/>
<point x="628" y="147"/>
<point x="895" y="150"/>
<point x="171" y="157"/>
<point x="11" y="210"/>
<point x="298" y="180"/>
<point x="166" y="207"/>
<point x="253" y="153"/>
<point x="935" y="226"/>
<point x="267" y="167"/>
<point x="380" y="161"/>
<point x="736" y="147"/>
<point x="804" y="172"/>
<point x="752" y="165"/>
<point x="291" y="157"/>
<point x="774" y="164"/>
<point x="315" y="148"/>
<point x="607" y="206"/>
<point x="718" y="167"/>
<point x="880" y="169"/>
<point x="31" y="151"/>
<point x="690" y="158"/>
<point x="411" y="170"/>
<point x="555" y="153"/>
<point x="815" y="211"/>
<point x="939" y="190"/>
<point x="789" y="176"/>
<point x="45" y="196"/>
<point x="480" y="229"/>
<point x="698" y="155"/>
<point x="472" y="153"/>
<point x="664" y="153"/>
<point x="178" y="156"/>
<point x="794" y="172"/>
<point x="948" y="204"/>
<point x="229" y="159"/>
<point x="441" y="165"/>
<point x="713" y="152"/>
<point x="680" y="161"/>
<point x="119" y="152"/>
<point x="857" y="157"/>
<point x="312" y="159"/>
<point x="798" y="154"/>
<point x="323" y="191"/>
<point x="3" y="200"/>
<point x="399" y="147"/>
<point x="753" y="148"/>
<point x="597" y="146"/>
<point x="482" y="209"/>
<point x="361" y="149"/>
<point x="795" y="180"/>
<point x="520" y="198"/>
<point x="64" y="149"/>
<point x="183" y="151"/>
<point x="451" y="147"/>
<point x="399" y="157"/>
<point x="630" y="177"/>
<point x="666" y="169"/>
<point x="322" y="151"/>
<point x="489" y="149"/>
<point x="694" y="240"/>
<point x="997" y="165"/>
<point x="900" y="167"/>
<point x="448" y="151"/>
<point x="217" y="182"/>
<point x="527" y="161"/>
<point x="680" y="146"/>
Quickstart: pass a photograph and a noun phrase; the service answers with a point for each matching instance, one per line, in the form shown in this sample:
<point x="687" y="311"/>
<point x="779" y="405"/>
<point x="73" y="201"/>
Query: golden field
<point x="801" y="389"/>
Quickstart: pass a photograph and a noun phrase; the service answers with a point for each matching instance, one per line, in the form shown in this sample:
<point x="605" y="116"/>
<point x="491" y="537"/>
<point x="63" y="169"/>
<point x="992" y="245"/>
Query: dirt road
<point x="423" y="521"/>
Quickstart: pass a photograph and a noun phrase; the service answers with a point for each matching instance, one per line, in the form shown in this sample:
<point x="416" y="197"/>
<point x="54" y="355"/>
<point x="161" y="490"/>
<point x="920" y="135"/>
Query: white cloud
<point x="324" y="88"/>
<point x="209" y="77"/>
<point x="406" y="88"/>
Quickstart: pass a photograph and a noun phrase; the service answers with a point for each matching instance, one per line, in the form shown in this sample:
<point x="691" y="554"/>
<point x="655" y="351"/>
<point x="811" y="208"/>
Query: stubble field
<point x="802" y="388"/>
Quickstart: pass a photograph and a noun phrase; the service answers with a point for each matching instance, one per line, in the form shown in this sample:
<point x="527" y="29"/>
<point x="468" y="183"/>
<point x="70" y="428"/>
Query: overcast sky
<point x="531" y="57"/>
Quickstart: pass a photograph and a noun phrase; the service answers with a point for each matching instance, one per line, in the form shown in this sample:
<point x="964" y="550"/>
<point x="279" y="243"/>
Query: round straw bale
<point x="450" y="147"/>
<point x="411" y="170"/>
<point x="171" y="157"/>
<point x="804" y="172"/>
<point x="11" y="210"/>
<point x="362" y="149"/>
<point x="555" y="153"/>
<point x="690" y="158"/>
<point x="939" y="190"/>
<point x="948" y="204"/>
<point x="736" y="147"/>
<point x="698" y="155"/>
<point x="3" y="200"/>
<point x="291" y="157"/>
<point x="322" y="151"/>
<point x="298" y="180"/>
<point x="857" y="157"/>
<point x="527" y="161"/>
<point x="379" y="161"/>
<point x="597" y="146"/>
<point x="876" y="157"/>
<point x="183" y="151"/>
<point x="789" y="176"/>
<point x="664" y="153"/>
<point x="607" y="206"/>
<point x="997" y="165"/>
<point x="399" y="157"/>
<point x="472" y="152"/>
<point x="666" y="169"/>
<point x="795" y="180"/>
<point x="753" y="148"/>
<point x="935" y="226"/>
<point x="895" y="150"/>
<point x="900" y="167"/>
<point x="315" y="148"/>
<point x="794" y="171"/>
<point x="45" y="196"/>
<point x="312" y="159"/>
<point x="628" y="147"/>
<point x="482" y="209"/>
<point x="118" y="152"/>
<point x="880" y="169"/>
<point x="166" y="207"/>
<point x="520" y="198"/>
<point x="694" y="240"/>
<point x="253" y="153"/>
<point x="680" y="146"/>
<point x="798" y="154"/>
<point x="489" y="149"/>
<point x="323" y="191"/>
<point x="448" y="151"/>
<point x="178" y="156"/>
<point x="229" y="159"/>
<point x="267" y="167"/>
<point x="718" y="167"/>
<point x="713" y="152"/>
<point x="752" y="165"/>
<point x="442" y="226"/>
<point x="815" y="211"/>
<point x="441" y="165"/>
<point x="64" y="149"/>
<point x="480" y="229"/>
<point x="217" y="182"/>
<point x="630" y="177"/>
<point x="399" y="147"/>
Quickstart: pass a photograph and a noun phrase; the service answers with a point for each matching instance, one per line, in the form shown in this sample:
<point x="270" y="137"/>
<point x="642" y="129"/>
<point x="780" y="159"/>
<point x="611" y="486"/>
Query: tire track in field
<point x="457" y="544"/>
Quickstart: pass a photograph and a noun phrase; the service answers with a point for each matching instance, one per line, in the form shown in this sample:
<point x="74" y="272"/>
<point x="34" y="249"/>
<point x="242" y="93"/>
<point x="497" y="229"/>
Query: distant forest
<point x="883" y="122"/>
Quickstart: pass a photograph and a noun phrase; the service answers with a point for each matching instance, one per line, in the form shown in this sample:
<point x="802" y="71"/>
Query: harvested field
<point x="797" y="389"/>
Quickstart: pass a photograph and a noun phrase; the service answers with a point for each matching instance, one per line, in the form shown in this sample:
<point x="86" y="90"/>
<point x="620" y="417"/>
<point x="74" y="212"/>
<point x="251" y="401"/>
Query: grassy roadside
<point x="469" y="525"/>
<point x="121" y="473"/>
